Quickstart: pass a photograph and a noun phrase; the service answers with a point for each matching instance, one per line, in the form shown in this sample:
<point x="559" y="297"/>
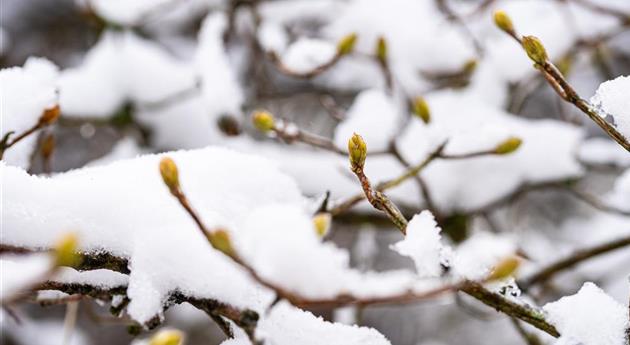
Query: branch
<point x="572" y="260"/>
<point x="48" y="117"/>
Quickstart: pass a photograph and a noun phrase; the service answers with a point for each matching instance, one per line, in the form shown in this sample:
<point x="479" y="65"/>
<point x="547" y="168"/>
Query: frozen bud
<point x="321" y="221"/>
<point x="508" y="146"/>
<point x="167" y="337"/>
<point x="170" y="175"/>
<point x="503" y="21"/>
<point x="381" y="49"/>
<point x="346" y="44"/>
<point x="66" y="250"/>
<point x="357" y="151"/>
<point x="220" y="240"/>
<point x="534" y="49"/>
<point x="50" y="115"/>
<point x="421" y="109"/>
<point x="505" y="268"/>
<point x="263" y="120"/>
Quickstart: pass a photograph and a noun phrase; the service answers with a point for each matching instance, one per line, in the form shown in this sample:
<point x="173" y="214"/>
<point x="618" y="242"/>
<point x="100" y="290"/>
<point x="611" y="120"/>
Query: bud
<point x="421" y="109"/>
<point x="50" y="115"/>
<point x="66" y="251"/>
<point x="169" y="173"/>
<point x="357" y="151"/>
<point x="346" y="44"/>
<point x="503" y="21"/>
<point x="321" y="221"/>
<point x="381" y="49"/>
<point x="470" y="66"/>
<point x="220" y="240"/>
<point x="534" y="49"/>
<point x="504" y="268"/>
<point x="263" y="120"/>
<point x="167" y="337"/>
<point x="48" y="146"/>
<point x="510" y="145"/>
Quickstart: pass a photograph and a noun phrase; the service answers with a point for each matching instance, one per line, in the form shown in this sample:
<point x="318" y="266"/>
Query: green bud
<point x="66" y="251"/>
<point x="321" y="221"/>
<point x="470" y="66"/>
<point x="421" y="109"/>
<point x="346" y="44"/>
<point x="220" y="240"/>
<point x="508" y="146"/>
<point x="263" y="120"/>
<point x="357" y="151"/>
<point x="503" y="21"/>
<point x="170" y="175"/>
<point x="167" y="337"/>
<point x="381" y="49"/>
<point x="504" y="268"/>
<point x="534" y="49"/>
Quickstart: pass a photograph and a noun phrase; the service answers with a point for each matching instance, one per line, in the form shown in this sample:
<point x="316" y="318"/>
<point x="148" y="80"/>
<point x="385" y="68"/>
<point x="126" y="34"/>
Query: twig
<point x="572" y="260"/>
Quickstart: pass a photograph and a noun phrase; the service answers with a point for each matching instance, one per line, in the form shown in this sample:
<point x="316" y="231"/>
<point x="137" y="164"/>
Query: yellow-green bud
<point x="263" y="120"/>
<point x="66" y="250"/>
<point x="220" y="240"/>
<point x="170" y="175"/>
<point x="508" y="146"/>
<point x="504" y="268"/>
<point x="346" y="44"/>
<point x="321" y="221"/>
<point x="357" y="151"/>
<point x="421" y="109"/>
<point x="381" y="49"/>
<point x="167" y="337"/>
<point x="50" y="115"/>
<point x="503" y="21"/>
<point x="470" y="66"/>
<point x="534" y="49"/>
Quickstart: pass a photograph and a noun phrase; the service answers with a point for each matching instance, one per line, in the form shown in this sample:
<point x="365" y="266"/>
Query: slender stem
<point x="572" y="260"/>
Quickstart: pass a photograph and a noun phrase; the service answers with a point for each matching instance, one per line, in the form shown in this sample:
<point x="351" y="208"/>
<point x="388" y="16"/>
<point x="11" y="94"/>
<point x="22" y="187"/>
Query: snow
<point x="374" y="116"/>
<point x="475" y="258"/>
<point x="25" y="92"/>
<point x="589" y="317"/>
<point x="98" y="278"/>
<point x="124" y="149"/>
<point x="620" y="195"/>
<point x="19" y="273"/>
<point x="263" y="211"/>
<point x="308" y="53"/>
<point x="124" y="12"/>
<point x="603" y="151"/>
<point x="121" y="67"/>
<point x="612" y="98"/>
<point x="287" y="325"/>
<point x="422" y="244"/>
<point x="547" y="151"/>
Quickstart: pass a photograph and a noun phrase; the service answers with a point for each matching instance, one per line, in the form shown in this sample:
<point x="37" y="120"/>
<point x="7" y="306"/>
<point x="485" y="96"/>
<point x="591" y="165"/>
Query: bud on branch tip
<point x="321" y="221"/>
<point x="170" y="175"/>
<point x="50" y="115"/>
<point x="381" y="49"/>
<point x="346" y="44"/>
<point x="66" y="250"/>
<point x="421" y="109"/>
<point x="534" y="49"/>
<point x="357" y="151"/>
<point x="503" y="21"/>
<point x="263" y="120"/>
<point x="167" y="337"/>
<point x="508" y="146"/>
